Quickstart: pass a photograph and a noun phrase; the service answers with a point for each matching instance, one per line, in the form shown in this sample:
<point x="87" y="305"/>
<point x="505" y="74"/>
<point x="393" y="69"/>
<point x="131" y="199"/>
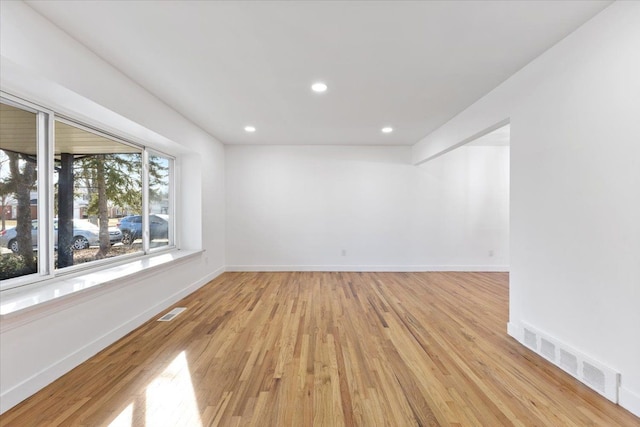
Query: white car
<point x="85" y="234"/>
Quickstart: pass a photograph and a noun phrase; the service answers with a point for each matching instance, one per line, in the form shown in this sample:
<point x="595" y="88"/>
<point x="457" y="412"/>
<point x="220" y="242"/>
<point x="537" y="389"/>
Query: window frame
<point x="45" y="231"/>
<point x="172" y="209"/>
<point x="45" y="136"/>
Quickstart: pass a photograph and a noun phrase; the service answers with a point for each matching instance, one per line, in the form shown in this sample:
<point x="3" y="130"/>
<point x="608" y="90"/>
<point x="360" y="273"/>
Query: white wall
<point x="575" y="190"/>
<point x="299" y="207"/>
<point x="41" y="63"/>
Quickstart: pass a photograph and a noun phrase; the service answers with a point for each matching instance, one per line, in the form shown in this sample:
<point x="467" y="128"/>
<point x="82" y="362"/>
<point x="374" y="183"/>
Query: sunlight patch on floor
<point x="171" y="400"/>
<point x="124" y="419"/>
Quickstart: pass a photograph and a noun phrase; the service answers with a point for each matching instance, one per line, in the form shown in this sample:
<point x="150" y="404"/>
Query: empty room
<point x="319" y="213"/>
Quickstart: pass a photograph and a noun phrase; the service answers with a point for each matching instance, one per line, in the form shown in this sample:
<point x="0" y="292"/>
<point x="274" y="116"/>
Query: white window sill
<point x="18" y="301"/>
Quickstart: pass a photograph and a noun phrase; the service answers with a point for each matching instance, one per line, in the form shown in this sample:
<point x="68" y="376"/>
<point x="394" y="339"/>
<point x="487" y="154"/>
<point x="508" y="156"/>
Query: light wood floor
<point x="326" y="349"/>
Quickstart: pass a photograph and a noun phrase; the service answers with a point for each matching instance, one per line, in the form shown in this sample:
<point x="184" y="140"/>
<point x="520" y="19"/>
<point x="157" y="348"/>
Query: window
<point x="96" y="179"/>
<point x="18" y="189"/>
<point x="160" y="205"/>
<point x="72" y="197"/>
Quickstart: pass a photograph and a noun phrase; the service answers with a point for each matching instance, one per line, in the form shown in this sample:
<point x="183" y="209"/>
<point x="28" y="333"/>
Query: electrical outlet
<point x="344" y="252"/>
<point x="491" y="252"/>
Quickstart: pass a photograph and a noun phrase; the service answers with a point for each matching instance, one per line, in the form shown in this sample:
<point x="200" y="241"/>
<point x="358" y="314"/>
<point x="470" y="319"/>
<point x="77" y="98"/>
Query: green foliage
<point x="122" y="177"/>
<point x="12" y="265"/>
<point x="158" y="178"/>
<point x="7" y="186"/>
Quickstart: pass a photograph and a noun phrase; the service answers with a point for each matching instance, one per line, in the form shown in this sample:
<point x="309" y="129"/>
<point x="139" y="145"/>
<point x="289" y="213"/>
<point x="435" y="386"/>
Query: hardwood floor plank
<point x="325" y="349"/>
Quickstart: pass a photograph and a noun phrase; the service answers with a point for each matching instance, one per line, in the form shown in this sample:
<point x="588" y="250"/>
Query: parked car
<point x="131" y="227"/>
<point x="115" y="235"/>
<point x="85" y="234"/>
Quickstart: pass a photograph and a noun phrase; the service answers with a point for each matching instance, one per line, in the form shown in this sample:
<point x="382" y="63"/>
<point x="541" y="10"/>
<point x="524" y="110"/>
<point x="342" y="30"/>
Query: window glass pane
<point x="18" y="192"/>
<point x="98" y="190"/>
<point x="160" y="209"/>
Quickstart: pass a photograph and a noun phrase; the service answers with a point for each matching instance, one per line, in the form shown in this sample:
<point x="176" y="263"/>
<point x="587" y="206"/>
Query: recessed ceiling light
<point x="319" y="87"/>
<point x="387" y="129"/>
<point x="249" y="129"/>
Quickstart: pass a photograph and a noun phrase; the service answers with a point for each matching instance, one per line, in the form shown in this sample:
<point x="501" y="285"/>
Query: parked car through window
<point x="85" y="234"/>
<point x="131" y="228"/>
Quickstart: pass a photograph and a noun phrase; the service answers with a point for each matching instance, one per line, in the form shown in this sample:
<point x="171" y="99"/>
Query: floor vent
<point x="596" y="375"/>
<point x="172" y="314"/>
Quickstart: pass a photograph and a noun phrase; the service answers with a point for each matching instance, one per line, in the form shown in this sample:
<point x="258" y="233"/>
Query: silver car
<point x="115" y="235"/>
<point x="85" y="234"/>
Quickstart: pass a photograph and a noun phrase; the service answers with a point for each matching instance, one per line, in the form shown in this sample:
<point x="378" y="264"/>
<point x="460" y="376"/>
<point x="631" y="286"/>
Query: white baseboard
<point x="370" y="268"/>
<point x="31" y="385"/>
<point x="629" y="400"/>
<point x="514" y="330"/>
<point x="595" y="374"/>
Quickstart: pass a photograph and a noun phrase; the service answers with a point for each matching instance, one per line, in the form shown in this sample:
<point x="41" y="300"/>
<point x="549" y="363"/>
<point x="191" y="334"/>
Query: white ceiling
<point x="410" y="65"/>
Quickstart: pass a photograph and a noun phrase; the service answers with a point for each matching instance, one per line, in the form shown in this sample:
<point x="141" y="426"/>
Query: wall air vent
<point x="548" y="349"/>
<point x="172" y="314"/>
<point x="594" y="376"/>
<point x="600" y="377"/>
<point x="530" y="339"/>
<point x="569" y="362"/>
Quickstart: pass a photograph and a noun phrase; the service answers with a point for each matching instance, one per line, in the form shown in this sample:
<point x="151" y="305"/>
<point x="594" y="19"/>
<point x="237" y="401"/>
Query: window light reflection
<point x="124" y="419"/>
<point x="170" y="400"/>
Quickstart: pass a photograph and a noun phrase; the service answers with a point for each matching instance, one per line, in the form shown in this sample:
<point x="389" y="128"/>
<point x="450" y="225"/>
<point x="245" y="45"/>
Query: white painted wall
<point x="575" y="190"/>
<point x="41" y="63"/>
<point x="299" y="207"/>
